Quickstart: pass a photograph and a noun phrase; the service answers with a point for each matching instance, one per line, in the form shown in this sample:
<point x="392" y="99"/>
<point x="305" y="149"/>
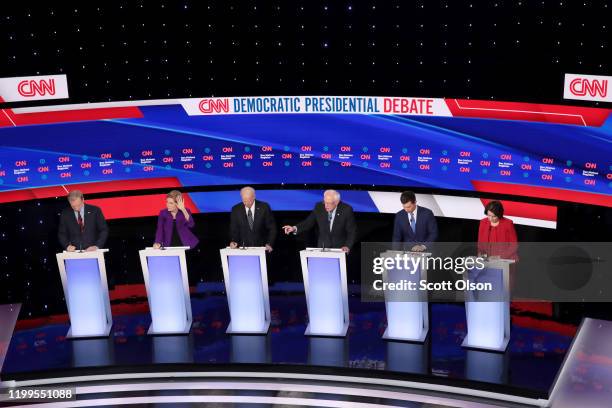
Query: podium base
<point x="185" y="331"/>
<point x="342" y="333"/>
<point x="263" y="331"/>
<point x="500" y="349"/>
<point x="420" y="339"/>
<point x="106" y="333"/>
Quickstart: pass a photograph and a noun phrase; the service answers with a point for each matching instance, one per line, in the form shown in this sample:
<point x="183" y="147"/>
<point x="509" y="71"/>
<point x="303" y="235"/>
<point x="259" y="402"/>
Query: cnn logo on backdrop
<point x="587" y="87"/>
<point x="214" y="105"/>
<point x="33" y="88"/>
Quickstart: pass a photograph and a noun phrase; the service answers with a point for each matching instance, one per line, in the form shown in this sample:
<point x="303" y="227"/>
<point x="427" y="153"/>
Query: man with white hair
<point x="252" y="222"/>
<point x="335" y="221"/>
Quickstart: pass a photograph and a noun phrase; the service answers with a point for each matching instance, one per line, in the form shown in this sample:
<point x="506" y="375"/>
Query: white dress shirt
<point x="246" y="210"/>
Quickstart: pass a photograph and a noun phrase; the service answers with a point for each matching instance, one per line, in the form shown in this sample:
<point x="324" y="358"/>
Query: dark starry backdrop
<point x="494" y="49"/>
<point x="502" y="50"/>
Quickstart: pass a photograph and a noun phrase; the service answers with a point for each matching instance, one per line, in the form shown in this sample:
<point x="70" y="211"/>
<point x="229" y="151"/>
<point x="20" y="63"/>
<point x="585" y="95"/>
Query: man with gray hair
<point x="82" y="226"/>
<point x="335" y="221"/>
<point x="252" y="222"/>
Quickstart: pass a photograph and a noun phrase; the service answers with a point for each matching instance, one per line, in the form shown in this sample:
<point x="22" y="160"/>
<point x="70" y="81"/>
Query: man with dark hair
<point x="414" y="225"/>
<point x="82" y="226"/>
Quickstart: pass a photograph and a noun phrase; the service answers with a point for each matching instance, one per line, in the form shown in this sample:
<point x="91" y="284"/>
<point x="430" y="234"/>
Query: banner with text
<point x="316" y="104"/>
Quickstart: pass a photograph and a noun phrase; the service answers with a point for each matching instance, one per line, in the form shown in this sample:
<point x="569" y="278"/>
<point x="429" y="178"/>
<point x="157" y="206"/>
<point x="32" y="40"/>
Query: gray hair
<point x="333" y="193"/>
<point x="247" y="189"/>
<point x="74" y="194"/>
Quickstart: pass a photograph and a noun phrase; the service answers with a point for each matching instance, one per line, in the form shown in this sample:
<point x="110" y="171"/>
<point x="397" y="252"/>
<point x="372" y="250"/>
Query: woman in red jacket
<point x="496" y="234"/>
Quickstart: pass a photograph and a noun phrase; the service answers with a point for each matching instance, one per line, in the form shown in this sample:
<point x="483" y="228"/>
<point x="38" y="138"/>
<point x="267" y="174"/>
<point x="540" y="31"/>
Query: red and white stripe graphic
<point x="466" y="108"/>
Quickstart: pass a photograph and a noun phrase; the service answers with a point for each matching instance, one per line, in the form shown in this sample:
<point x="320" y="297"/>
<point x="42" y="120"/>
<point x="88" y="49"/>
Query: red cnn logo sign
<point x="33" y="88"/>
<point x="590" y="87"/>
<point x="29" y="88"/>
<point x="214" y="105"/>
<point x="587" y="87"/>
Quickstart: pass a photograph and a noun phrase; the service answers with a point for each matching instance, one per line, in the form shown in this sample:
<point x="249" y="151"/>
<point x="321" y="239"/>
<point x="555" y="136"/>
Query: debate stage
<point x="526" y="371"/>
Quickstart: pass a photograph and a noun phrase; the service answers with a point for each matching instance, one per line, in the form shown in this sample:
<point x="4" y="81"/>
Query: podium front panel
<point x="246" y="302"/>
<point x="407" y="311"/>
<point x="405" y="320"/>
<point x="405" y="314"/>
<point x="166" y="294"/>
<point x="486" y="313"/>
<point x="325" y="299"/>
<point x="86" y="304"/>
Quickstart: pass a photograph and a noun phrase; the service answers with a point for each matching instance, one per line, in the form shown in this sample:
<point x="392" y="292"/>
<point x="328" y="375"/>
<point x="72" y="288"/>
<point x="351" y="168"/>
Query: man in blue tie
<point x="415" y="226"/>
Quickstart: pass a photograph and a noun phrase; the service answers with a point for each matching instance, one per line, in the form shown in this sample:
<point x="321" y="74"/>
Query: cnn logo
<point x="214" y="106"/>
<point x="587" y="87"/>
<point x="30" y="88"/>
<point x="584" y="87"/>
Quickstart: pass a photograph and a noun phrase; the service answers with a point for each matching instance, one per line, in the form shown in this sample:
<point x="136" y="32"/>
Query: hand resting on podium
<point x="234" y="245"/>
<point x="72" y="248"/>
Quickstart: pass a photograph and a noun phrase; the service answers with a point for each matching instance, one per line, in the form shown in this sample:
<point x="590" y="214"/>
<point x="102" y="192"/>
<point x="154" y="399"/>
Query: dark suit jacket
<point x="426" y="228"/>
<point x="95" y="232"/>
<point x="344" y="228"/>
<point x="264" y="226"/>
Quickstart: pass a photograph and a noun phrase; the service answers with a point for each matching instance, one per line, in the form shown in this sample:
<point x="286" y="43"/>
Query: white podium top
<point x="165" y="248"/>
<point x="244" y="251"/>
<point x="499" y="261"/>
<point x="411" y="253"/>
<point x="324" y="249"/>
<point x="83" y="251"/>
<point x="98" y="253"/>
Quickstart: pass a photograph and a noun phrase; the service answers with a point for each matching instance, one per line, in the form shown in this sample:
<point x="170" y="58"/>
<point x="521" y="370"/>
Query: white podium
<point x="86" y="291"/>
<point x="246" y="283"/>
<point x="325" y="284"/>
<point x="488" y="313"/>
<point x="165" y="276"/>
<point x="407" y="312"/>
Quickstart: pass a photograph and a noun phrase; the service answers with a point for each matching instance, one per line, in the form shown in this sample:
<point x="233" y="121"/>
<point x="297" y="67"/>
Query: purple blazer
<point x="164" y="229"/>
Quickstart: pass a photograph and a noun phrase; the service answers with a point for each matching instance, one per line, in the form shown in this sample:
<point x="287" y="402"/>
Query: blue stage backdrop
<point x="502" y="156"/>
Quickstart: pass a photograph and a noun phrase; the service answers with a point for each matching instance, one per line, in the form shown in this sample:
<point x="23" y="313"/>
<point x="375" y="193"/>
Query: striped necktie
<point x="250" y="218"/>
<point x="80" y="221"/>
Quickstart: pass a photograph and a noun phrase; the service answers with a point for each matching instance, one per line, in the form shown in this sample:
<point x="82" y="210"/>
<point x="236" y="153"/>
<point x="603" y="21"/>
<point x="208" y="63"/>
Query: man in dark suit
<point x="252" y="222"/>
<point x="415" y="226"/>
<point x="82" y="226"/>
<point x="335" y="221"/>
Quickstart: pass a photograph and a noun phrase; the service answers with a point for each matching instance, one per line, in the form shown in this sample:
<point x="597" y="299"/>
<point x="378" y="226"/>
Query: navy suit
<point x="95" y="231"/>
<point x="426" y="231"/>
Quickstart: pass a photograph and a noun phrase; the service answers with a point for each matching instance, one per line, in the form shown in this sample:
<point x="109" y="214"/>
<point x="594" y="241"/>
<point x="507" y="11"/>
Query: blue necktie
<point x="330" y="216"/>
<point x="412" y="223"/>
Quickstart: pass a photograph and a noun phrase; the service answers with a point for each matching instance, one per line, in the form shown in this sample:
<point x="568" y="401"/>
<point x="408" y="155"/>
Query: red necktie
<point x="80" y="221"/>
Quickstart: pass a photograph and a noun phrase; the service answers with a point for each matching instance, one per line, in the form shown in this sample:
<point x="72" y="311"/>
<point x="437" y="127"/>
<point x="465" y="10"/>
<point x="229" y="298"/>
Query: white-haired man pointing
<point x="335" y="221"/>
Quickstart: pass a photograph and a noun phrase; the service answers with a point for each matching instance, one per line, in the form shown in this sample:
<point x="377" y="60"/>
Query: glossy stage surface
<point x="528" y="368"/>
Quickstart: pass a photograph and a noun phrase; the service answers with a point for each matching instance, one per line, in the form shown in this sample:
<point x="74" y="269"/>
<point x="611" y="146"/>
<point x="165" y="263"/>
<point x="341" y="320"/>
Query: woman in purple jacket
<point x="175" y="223"/>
